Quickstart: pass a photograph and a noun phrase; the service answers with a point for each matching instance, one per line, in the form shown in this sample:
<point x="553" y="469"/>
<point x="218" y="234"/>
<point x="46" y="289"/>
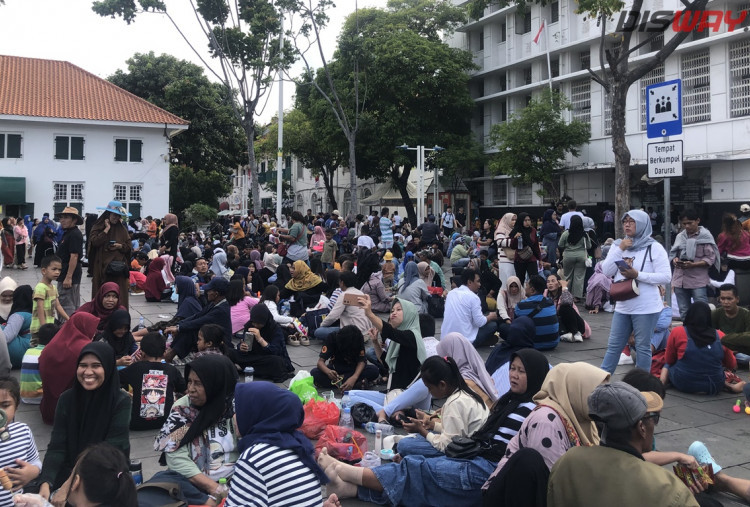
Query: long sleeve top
<point x="677" y="343"/>
<point x="407" y="363"/>
<point x="240" y="313"/>
<point x="534" y="248"/>
<point x="346" y="314"/>
<point x="461" y="416"/>
<point x="463" y="313"/>
<point x="277" y="317"/>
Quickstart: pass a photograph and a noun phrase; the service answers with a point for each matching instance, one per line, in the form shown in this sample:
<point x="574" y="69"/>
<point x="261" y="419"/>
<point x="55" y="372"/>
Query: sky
<point x="69" y="30"/>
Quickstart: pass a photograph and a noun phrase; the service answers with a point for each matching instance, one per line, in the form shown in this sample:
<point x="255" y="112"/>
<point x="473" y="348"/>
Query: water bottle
<point x="373" y="427"/>
<point x="346" y="402"/>
<point x="136" y="470"/>
<point x="346" y="418"/>
<point x="170" y="338"/>
<point x="141" y="325"/>
<point x="249" y="372"/>
<point x="520" y="242"/>
<point x="223" y="490"/>
<point x="378" y="443"/>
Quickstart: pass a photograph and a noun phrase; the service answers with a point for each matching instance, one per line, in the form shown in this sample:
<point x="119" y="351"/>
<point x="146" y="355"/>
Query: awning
<point x="12" y="190"/>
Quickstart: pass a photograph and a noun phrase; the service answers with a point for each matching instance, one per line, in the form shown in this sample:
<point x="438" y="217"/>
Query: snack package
<point x="703" y="475"/>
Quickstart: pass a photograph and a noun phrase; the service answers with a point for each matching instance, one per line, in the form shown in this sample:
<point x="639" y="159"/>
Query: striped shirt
<point x="513" y="422"/>
<point x="266" y="475"/>
<point x="20" y="446"/>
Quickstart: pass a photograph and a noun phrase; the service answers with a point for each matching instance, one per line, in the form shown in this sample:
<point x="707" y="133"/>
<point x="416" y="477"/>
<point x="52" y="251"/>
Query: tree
<point x="532" y="145"/>
<point x="243" y="37"/>
<point x="195" y="186"/>
<point x="198" y="214"/>
<point x="615" y="74"/>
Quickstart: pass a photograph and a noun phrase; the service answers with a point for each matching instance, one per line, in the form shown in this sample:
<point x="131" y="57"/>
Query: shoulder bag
<point x="117" y="269"/>
<point x="628" y="288"/>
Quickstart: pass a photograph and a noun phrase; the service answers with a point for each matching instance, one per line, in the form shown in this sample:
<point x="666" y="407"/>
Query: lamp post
<point x="420" y="176"/>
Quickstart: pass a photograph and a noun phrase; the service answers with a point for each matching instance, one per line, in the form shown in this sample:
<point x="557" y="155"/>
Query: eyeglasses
<point x="628" y="221"/>
<point x="653" y="415"/>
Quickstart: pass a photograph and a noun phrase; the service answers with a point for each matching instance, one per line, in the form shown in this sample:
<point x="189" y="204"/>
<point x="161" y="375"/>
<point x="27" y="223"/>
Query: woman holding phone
<point x="636" y="257"/>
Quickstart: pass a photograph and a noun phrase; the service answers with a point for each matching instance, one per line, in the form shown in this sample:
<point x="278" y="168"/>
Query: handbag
<point x="463" y="448"/>
<point x="436" y="306"/>
<point x="628" y="288"/>
<point x="281" y="249"/>
<point x="163" y="494"/>
<point x="526" y="254"/>
<point x="117" y="269"/>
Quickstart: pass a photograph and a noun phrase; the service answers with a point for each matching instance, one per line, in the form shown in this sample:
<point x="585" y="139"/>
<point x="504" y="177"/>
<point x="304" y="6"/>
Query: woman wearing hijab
<point x="525" y="246"/>
<point x="109" y="243"/>
<point x="695" y="358"/>
<point x="94" y="410"/>
<point x="7" y="287"/>
<point x="277" y="463"/>
<point x="199" y="440"/>
<point x="574" y="244"/>
<point x="155" y="288"/>
<point x="405" y="354"/>
<point x="166" y="271"/>
<point x="560" y="421"/>
<point x="264" y="347"/>
<point x="117" y="335"/>
<point x="649" y="266"/>
<point x="413" y="289"/>
<point x="508" y="298"/>
<point x="417" y="480"/>
<point x="107" y="300"/>
<point x="317" y="236"/>
<point x="17" y="330"/>
<point x="169" y="237"/>
<point x="58" y="359"/>
<point x="426" y="273"/>
<point x="597" y="292"/>
<point x="550" y="233"/>
<point x="305" y="286"/>
<point x="219" y="263"/>
<point x="505" y="254"/>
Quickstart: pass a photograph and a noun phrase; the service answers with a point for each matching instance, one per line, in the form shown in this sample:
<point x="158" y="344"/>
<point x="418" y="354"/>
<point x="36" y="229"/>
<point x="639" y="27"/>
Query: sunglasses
<point x="653" y="415"/>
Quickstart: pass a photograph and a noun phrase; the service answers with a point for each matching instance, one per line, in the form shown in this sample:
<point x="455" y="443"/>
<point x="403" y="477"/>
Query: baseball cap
<point x="217" y="283"/>
<point x="619" y="405"/>
<point x="745" y="208"/>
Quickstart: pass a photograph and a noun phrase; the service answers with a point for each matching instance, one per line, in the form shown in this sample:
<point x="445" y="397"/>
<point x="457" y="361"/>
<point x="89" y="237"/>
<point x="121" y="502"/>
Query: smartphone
<point x="351" y="299"/>
<point x="624" y="266"/>
<point x="112" y="242"/>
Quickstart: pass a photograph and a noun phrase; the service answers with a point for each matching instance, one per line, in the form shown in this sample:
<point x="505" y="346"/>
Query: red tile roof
<point x="55" y="89"/>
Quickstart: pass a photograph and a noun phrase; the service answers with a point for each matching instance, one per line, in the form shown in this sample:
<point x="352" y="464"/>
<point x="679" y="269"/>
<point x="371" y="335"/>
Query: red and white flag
<point x="539" y="33"/>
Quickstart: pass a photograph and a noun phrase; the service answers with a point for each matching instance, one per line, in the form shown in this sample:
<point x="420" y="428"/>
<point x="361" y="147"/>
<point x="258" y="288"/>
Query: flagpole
<point x="549" y="63"/>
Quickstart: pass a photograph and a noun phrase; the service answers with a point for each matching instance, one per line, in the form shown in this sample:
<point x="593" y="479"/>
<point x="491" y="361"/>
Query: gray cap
<point x="620" y="405"/>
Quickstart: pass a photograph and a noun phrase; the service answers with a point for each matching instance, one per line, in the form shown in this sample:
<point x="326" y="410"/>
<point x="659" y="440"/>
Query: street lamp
<point x="420" y="178"/>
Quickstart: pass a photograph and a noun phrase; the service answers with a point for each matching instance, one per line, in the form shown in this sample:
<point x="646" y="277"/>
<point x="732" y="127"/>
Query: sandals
<point x="304" y="340"/>
<point x="293" y="340"/>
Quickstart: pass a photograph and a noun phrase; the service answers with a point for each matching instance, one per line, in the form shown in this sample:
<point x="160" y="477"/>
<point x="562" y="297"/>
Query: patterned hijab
<point x="303" y="278"/>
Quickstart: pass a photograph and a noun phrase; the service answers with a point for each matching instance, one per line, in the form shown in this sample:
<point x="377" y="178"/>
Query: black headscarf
<point x="122" y="346"/>
<point x="537" y="367"/>
<point x="698" y="324"/>
<point x="282" y="276"/>
<point x="219" y="377"/>
<point x="92" y="414"/>
<point x="575" y="231"/>
<point x="525" y="231"/>
<point x="23" y="300"/>
<point x="261" y="315"/>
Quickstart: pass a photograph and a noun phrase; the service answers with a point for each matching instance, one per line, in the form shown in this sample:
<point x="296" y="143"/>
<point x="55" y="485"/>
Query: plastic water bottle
<point x="346" y="418"/>
<point x="520" y="242"/>
<point x="223" y="490"/>
<point x="141" y="325"/>
<point x="378" y="443"/>
<point x="346" y="402"/>
<point x="249" y="372"/>
<point x="136" y="470"/>
<point x="373" y="427"/>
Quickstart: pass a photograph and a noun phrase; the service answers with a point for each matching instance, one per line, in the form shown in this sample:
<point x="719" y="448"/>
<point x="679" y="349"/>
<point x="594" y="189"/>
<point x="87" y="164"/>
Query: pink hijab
<point x="317" y="236"/>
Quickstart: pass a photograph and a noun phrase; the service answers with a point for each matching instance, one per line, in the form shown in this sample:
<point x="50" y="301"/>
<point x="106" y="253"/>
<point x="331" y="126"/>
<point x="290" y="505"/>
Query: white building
<point x="715" y="72"/>
<point x="69" y="138"/>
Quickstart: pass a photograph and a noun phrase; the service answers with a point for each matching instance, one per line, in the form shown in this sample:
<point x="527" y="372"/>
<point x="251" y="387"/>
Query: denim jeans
<point x="324" y="332"/>
<point x="642" y="326"/>
<point x="193" y="495"/>
<point x="684" y="298"/>
<point x="486" y="332"/>
<point x="417" y="445"/>
<point x="416" y="395"/>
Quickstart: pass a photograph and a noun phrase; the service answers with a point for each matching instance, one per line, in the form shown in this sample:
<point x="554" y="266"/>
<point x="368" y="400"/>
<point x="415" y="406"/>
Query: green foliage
<point x="188" y="186"/>
<point x="127" y="9"/>
<point x="197" y="214"/>
<point x="533" y="144"/>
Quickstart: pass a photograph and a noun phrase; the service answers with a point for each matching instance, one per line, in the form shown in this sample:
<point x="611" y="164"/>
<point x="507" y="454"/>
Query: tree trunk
<point x="352" y="138"/>
<point x="328" y="182"/>
<point x="254" y="184"/>
<point x="621" y="151"/>
<point x="401" y="181"/>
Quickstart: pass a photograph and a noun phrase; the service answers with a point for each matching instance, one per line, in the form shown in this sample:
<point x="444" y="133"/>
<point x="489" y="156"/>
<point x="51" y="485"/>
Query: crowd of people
<point x="368" y="290"/>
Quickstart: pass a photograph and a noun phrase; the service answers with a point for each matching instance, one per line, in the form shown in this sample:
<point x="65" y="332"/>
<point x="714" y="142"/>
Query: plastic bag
<point x="305" y="390"/>
<point x="318" y="415"/>
<point x="344" y="444"/>
<point x="363" y="413"/>
<point x="298" y="376"/>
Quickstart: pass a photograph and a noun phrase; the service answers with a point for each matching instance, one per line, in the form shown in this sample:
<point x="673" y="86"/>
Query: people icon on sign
<point x="663" y="105"/>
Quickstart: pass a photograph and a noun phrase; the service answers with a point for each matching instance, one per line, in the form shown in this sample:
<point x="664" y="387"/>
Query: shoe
<point x="578" y="338"/>
<point x="699" y="451"/>
<point x="293" y="341"/>
<point x="625" y="359"/>
<point x="304" y="340"/>
<point x="567" y="337"/>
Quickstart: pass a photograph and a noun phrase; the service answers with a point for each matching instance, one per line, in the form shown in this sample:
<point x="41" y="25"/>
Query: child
<point x="45" y="298"/>
<point x="329" y="250"/>
<point x="210" y="340"/>
<point x="389" y="269"/>
<point x="18" y="455"/>
<point x="31" y="380"/>
<point x="117" y="334"/>
<point x="342" y="361"/>
<point x="153" y="383"/>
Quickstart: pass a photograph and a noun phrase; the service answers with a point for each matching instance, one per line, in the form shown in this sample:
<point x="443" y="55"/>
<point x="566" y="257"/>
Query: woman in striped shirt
<point x="276" y="466"/>
<point x="418" y="480"/>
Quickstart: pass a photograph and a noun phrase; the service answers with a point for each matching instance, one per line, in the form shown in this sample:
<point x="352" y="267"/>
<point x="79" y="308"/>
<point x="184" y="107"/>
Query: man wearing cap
<point x="614" y="472"/>
<point x="70" y="251"/>
<point x="217" y="311"/>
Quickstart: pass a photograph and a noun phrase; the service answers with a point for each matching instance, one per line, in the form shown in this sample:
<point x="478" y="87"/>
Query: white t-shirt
<point x="565" y="219"/>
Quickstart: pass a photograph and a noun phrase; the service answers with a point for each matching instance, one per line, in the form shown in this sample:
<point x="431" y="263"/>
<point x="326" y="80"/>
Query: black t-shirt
<point x="153" y="385"/>
<point x="330" y="354"/>
<point x="71" y="243"/>
<point x="430" y="232"/>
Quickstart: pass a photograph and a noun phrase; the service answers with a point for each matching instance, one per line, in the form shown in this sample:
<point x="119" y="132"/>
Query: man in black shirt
<point x="70" y="250"/>
<point x="430" y="231"/>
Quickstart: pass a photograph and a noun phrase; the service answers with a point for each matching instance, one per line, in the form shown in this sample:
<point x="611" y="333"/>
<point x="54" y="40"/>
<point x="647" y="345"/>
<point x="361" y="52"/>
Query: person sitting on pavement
<point x="572" y="326"/>
<point x="412" y="288"/>
<point x="304" y="285"/>
<point x="732" y="320"/>
<point x="542" y="311"/>
<point x="463" y="312"/>
<point x="342" y="362"/>
<point x="105" y="303"/>
<point x="629" y="419"/>
<point x="344" y="313"/>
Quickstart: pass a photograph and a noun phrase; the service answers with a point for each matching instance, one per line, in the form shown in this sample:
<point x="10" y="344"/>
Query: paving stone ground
<point x="685" y="417"/>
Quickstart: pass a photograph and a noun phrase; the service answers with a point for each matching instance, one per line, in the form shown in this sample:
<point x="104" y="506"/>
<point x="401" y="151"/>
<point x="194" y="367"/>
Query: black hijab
<point x="261" y="315"/>
<point x="525" y="231"/>
<point x="92" y="410"/>
<point x="282" y="276"/>
<point x="219" y="377"/>
<point x="118" y="320"/>
<point x="23" y="300"/>
<point x="575" y="231"/>
<point x="698" y="324"/>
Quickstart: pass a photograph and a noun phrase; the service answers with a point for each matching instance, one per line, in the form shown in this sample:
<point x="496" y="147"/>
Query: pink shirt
<point x="241" y="313"/>
<point x="725" y="245"/>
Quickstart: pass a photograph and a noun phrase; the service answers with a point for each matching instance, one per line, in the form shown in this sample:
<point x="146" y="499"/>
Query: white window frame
<point x="524" y="193"/>
<point x="580" y="99"/>
<point x="696" y="86"/>
<point x="129" y="188"/>
<point x="653" y="77"/>
<point x="500" y="192"/>
<point x="739" y="78"/>
<point x="68" y="193"/>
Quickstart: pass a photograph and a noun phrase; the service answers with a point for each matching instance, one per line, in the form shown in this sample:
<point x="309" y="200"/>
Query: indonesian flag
<point x="539" y="33"/>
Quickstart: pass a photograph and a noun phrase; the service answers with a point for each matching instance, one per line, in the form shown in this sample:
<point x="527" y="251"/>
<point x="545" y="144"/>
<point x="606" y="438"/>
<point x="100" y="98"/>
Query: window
<point x="300" y="202"/>
<point x="481" y="40"/>
<point x="554" y="15"/>
<point x="655" y="42"/>
<point x="696" y="87"/>
<point x="527" y="22"/>
<point x="555" y="66"/>
<point x="527" y="76"/>
<point x="502" y="82"/>
<point x="585" y="58"/>
<point x="128" y="150"/>
<point x="266" y="203"/>
<point x="67" y="194"/>
<point x="480" y="114"/>
<point x="10" y="145"/>
<point x="129" y="194"/>
<point x="653" y="77"/>
<point x="503" y="110"/>
<point x="503" y="31"/>
<point x="580" y="99"/>
<point x="523" y="22"/>
<point x="523" y="193"/>
<point x="739" y="75"/>
<point x="607" y="114"/>
<point x="744" y="7"/>
<point x="69" y="148"/>
<point x="500" y="192"/>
